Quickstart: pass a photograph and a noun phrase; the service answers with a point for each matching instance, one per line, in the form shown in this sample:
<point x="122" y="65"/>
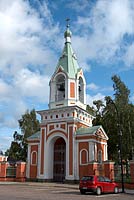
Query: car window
<point x="87" y="178"/>
<point x="107" y="179"/>
<point x="101" y="179"/>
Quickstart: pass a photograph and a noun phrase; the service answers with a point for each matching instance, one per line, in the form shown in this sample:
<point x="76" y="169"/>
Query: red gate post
<point x="3" y="167"/>
<point x="132" y="170"/>
<point x="109" y="169"/>
<point x="21" y="171"/>
<point x="93" y="168"/>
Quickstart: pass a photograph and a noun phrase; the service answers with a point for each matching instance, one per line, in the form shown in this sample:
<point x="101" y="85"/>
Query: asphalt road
<point x="51" y="191"/>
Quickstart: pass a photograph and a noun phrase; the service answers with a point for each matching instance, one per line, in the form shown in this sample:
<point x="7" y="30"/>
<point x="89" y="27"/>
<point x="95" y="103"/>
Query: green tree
<point x="122" y="94"/>
<point x="90" y="110"/>
<point x="99" y="106"/>
<point x="111" y="115"/>
<point x="14" y="152"/>
<point x="28" y="125"/>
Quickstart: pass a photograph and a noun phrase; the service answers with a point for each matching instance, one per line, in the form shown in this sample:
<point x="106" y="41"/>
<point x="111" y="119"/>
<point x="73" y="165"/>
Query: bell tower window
<point x="81" y="90"/>
<point x="60" y="88"/>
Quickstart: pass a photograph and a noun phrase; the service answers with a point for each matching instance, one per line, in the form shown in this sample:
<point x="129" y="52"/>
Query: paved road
<point x="51" y="191"/>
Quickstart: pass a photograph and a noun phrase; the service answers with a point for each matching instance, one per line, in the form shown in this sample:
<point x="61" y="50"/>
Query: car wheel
<point x="98" y="191"/>
<point x="82" y="192"/>
<point x="116" y="190"/>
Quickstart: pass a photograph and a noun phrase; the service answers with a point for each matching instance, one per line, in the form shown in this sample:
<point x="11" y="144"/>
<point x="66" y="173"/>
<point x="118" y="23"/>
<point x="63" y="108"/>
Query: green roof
<point x="68" y="60"/>
<point x="88" y="131"/>
<point x="34" y="136"/>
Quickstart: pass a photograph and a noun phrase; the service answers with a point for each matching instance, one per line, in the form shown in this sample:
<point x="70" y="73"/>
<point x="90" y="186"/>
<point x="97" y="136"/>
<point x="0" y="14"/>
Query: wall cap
<point x="131" y="161"/>
<point x="108" y="162"/>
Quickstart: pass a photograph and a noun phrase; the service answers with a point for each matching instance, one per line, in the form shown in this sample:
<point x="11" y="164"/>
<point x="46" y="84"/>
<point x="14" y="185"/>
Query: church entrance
<point x="59" y="160"/>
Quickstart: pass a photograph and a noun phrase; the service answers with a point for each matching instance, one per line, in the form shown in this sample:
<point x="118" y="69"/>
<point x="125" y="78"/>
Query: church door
<point x="59" y="160"/>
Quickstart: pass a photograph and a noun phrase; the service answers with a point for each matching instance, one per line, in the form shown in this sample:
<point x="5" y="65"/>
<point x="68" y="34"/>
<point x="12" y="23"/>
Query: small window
<point x="83" y="157"/>
<point x="107" y="179"/>
<point x="87" y="178"/>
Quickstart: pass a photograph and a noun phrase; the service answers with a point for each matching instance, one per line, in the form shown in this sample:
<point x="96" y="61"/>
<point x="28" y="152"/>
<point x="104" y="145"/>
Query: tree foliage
<point x="28" y="125"/>
<point x="117" y="115"/>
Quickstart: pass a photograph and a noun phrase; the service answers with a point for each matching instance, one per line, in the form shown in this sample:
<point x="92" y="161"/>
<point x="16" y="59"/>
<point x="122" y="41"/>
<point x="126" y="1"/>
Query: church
<point x="67" y="141"/>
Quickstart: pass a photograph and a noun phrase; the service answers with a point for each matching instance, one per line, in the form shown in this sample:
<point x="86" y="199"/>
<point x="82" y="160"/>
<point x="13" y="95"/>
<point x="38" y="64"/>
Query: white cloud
<point x="31" y="40"/>
<point x="5" y="90"/>
<point x="78" y="5"/>
<point x="92" y="86"/>
<point x="101" y="32"/>
<point x="25" y="36"/>
<point x="27" y="57"/>
<point x="129" y="56"/>
<point x="95" y="88"/>
<point x="90" y="98"/>
<point x="32" y="84"/>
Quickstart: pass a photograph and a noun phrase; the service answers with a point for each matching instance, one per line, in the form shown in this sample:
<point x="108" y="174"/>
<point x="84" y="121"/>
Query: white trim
<point x="105" y="152"/>
<point x="86" y="156"/>
<point x="38" y="161"/>
<point x="76" y="160"/>
<point x="72" y="152"/>
<point x="28" y="161"/>
<point x="99" y="159"/>
<point x="39" y="174"/>
<point x="91" y="140"/>
<point x="31" y="160"/>
<point x="57" y="128"/>
<point x="49" y="154"/>
<point x="91" y="150"/>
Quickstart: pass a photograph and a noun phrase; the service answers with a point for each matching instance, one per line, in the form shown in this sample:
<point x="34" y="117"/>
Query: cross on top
<point x="67" y="21"/>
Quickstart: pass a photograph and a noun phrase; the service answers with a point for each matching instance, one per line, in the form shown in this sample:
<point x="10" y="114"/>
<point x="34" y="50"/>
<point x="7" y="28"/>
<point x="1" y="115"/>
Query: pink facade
<point x="67" y="141"/>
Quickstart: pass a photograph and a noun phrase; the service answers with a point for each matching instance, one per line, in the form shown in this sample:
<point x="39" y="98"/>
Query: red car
<point x="98" y="185"/>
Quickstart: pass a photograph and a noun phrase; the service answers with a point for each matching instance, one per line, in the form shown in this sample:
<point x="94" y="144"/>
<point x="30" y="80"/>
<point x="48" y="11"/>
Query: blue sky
<point x="32" y="39"/>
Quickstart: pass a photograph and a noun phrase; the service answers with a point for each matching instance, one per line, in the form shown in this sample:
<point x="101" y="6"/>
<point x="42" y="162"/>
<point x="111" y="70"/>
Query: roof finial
<point x="67" y="34"/>
<point x="67" y="21"/>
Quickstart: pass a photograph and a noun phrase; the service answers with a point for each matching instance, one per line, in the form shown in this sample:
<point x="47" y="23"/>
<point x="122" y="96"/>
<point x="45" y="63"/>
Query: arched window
<point x="81" y="90"/>
<point x="83" y="157"/>
<point x="60" y="88"/>
<point x="34" y="158"/>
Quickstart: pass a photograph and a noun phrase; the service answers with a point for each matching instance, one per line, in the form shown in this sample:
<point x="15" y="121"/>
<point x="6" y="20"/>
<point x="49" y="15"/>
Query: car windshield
<point x="87" y="178"/>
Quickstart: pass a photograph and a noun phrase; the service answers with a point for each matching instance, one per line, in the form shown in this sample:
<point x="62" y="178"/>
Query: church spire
<point x="67" y="85"/>
<point x="67" y="34"/>
<point x="68" y="60"/>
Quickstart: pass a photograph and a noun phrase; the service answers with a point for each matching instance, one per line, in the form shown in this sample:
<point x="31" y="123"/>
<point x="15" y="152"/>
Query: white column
<point x="91" y="151"/>
<point x="105" y="152"/>
<point x="28" y="162"/>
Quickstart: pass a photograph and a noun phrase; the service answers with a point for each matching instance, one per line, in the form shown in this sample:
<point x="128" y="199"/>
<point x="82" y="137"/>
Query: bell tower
<point x="67" y="141"/>
<point x="67" y="84"/>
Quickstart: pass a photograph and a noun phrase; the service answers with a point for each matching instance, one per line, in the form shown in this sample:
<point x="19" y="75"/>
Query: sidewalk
<point x="72" y="186"/>
<point x="128" y="191"/>
<point x="58" y="185"/>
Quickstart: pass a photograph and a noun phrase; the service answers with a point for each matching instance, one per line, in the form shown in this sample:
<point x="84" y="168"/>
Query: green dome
<point x="67" y="33"/>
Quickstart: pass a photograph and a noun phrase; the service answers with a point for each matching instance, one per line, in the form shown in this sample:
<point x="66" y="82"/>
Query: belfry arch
<point x="60" y="87"/>
<point x="81" y="90"/>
